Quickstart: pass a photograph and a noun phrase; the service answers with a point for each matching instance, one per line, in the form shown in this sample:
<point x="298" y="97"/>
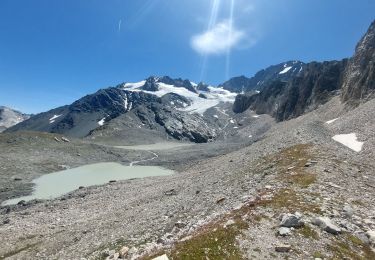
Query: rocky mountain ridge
<point x="174" y="107"/>
<point x="282" y="72"/>
<point x="316" y="84"/>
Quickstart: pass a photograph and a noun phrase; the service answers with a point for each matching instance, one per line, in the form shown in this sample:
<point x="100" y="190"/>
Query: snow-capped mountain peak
<point x="201" y="97"/>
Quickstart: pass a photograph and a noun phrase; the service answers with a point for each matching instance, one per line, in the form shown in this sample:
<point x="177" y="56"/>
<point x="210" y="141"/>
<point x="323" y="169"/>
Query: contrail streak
<point x="119" y="25"/>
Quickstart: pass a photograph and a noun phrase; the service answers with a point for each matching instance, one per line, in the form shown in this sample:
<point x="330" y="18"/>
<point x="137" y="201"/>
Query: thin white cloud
<point x="218" y="39"/>
<point x="119" y="25"/>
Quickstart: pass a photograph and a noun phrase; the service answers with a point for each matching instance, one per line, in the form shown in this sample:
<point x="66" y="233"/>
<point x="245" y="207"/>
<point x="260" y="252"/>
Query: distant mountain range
<point x="10" y="117"/>
<point x="182" y="109"/>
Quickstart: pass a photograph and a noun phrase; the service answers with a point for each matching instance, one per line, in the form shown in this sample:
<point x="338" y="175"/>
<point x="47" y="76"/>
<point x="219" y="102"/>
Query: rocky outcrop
<point x="280" y="72"/>
<point x="180" y="83"/>
<point x="359" y="78"/>
<point x="284" y="100"/>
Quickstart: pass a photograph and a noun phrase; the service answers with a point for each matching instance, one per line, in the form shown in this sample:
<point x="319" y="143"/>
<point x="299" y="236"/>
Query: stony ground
<point x="294" y="193"/>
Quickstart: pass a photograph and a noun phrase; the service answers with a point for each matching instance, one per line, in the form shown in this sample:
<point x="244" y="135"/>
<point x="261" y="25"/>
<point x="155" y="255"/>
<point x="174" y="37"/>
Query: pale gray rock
<point x="284" y="231"/>
<point x="327" y="225"/>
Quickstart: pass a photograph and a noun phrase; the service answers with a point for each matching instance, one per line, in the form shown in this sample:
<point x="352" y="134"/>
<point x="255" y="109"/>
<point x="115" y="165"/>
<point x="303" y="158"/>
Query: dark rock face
<point x="180" y="83"/>
<point x="243" y="102"/>
<point x="175" y="100"/>
<point x="359" y="79"/>
<point x="202" y="87"/>
<point x="284" y="100"/>
<point x="150" y="84"/>
<point x="182" y="125"/>
<point x="237" y="84"/>
<point x="314" y="84"/>
<point x="82" y="116"/>
<point x="283" y="72"/>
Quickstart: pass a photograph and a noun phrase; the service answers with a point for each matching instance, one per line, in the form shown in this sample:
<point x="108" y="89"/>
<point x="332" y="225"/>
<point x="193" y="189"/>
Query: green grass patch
<point x="288" y="199"/>
<point x="308" y="232"/>
<point x="217" y="242"/>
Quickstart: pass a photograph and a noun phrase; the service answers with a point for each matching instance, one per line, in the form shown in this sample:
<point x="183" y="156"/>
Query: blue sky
<point x="53" y="52"/>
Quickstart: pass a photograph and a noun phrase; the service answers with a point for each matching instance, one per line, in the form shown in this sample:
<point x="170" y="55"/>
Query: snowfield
<point x="198" y="105"/>
<point x="349" y="140"/>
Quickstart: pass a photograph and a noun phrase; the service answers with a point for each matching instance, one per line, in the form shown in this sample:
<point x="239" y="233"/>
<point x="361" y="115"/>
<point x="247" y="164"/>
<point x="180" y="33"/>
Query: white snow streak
<point x="285" y="70"/>
<point x="52" y="119"/>
<point x="331" y="121"/>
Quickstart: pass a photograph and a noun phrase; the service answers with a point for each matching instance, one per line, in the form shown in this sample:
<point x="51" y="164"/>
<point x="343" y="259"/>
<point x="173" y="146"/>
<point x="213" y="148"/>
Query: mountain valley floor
<point x="292" y="192"/>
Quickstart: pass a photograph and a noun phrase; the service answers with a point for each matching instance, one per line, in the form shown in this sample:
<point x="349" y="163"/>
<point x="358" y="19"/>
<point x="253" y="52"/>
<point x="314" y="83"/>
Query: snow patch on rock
<point x="198" y="104"/>
<point x="52" y="119"/>
<point x="349" y="140"/>
<point x="101" y="122"/>
<point x="285" y="70"/>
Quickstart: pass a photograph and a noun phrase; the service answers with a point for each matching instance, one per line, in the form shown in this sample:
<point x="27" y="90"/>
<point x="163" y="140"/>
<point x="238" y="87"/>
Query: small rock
<point x="180" y="224"/>
<point x="170" y="192"/>
<point x="368" y="221"/>
<point x="123" y="252"/>
<point x="371" y="236"/>
<point x="284" y="231"/>
<point x="115" y="256"/>
<point x="229" y="222"/>
<point x="220" y="200"/>
<point x="107" y="252"/>
<point x="81" y="187"/>
<point x="282" y="248"/>
<point x="291" y="168"/>
<point x="21" y="203"/>
<point x="162" y="257"/>
<point x="6" y="221"/>
<point x="308" y="164"/>
<point x="66" y="140"/>
<point x="112" y="181"/>
<point x="17" y="179"/>
<point x="56" y="139"/>
<point x="133" y="251"/>
<point x="363" y="237"/>
<point x="347" y="211"/>
<point x="326" y="224"/>
<point x="291" y="220"/>
<point x="334" y="185"/>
